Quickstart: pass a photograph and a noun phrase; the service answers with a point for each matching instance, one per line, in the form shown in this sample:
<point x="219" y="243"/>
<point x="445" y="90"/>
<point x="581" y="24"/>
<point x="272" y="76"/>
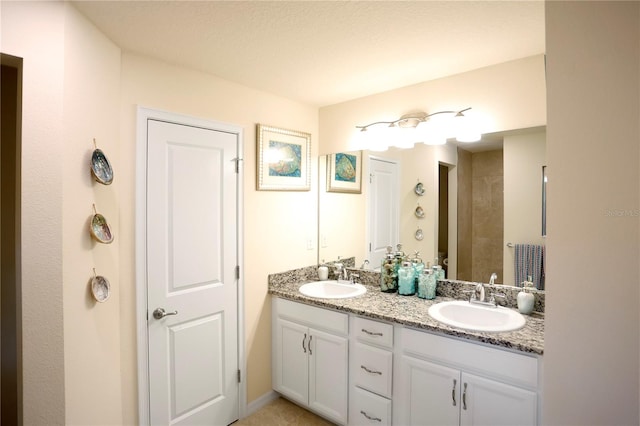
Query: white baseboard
<point x="260" y="402"/>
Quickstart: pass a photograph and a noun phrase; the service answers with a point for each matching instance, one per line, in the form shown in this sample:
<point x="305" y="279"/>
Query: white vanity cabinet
<point x="444" y="381"/>
<point x="371" y="372"/>
<point x="310" y="357"/>
<point x="348" y="368"/>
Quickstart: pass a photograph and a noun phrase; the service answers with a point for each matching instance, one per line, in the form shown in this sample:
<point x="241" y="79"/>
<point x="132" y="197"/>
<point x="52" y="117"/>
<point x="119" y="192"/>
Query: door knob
<point x="160" y="313"/>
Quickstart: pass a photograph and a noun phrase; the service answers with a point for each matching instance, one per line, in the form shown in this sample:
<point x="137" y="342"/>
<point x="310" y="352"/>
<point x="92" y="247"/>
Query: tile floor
<point x="282" y="413"/>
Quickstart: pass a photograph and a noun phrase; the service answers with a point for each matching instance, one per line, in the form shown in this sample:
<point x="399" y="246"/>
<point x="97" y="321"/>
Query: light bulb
<point x="467" y="129"/>
<point x="434" y="130"/>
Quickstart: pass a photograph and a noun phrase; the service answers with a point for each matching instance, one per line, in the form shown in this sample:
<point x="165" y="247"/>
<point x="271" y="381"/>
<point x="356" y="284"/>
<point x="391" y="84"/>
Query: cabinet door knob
<point x="310" y="337"/>
<point x="303" y="346"/>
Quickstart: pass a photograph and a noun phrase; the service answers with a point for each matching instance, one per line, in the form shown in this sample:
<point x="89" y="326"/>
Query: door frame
<point x="143" y="115"/>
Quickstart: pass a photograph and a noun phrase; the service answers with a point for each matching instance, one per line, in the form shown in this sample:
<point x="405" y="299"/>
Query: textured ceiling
<point x="326" y="52"/>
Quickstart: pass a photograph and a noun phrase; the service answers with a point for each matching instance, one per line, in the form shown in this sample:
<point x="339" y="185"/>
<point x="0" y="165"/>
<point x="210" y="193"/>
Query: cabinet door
<point x="486" y="402"/>
<point x="429" y="394"/>
<point x="328" y="355"/>
<point x="292" y="351"/>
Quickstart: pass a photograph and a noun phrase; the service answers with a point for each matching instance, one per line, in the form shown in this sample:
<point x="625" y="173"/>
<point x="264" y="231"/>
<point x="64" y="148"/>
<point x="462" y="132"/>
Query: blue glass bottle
<point x="406" y="280"/>
<point x="438" y="271"/>
<point x="418" y="266"/>
<point x="399" y="257"/>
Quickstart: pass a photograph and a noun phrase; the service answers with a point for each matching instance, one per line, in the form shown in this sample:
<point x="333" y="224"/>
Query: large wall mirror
<point x="477" y="202"/>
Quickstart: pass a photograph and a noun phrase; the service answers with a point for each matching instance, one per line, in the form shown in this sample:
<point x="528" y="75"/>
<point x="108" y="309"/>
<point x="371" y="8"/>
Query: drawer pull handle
<point x="370" y="371"/>
<point x="310" y="337"/>
<point x="464" y="397"/>
<point x="369" y="417"/>
<point x="453" y="392"/>
<point x="303" y="346"/>
<point x="371" y="333"/>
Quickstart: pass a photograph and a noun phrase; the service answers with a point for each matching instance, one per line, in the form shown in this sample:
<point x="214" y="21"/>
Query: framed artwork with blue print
<point x="344" y="172"/>
<point x="283" y="159"/>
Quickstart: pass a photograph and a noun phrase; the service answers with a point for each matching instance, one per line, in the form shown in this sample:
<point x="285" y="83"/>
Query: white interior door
<point x="191" y="260"/>
<point x="383" y="208"/>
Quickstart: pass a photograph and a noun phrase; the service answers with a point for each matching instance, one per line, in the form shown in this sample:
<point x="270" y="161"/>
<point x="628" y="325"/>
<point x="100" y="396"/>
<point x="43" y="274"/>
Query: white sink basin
<point x="332" y="290"/>
<point x="468" y="316"/>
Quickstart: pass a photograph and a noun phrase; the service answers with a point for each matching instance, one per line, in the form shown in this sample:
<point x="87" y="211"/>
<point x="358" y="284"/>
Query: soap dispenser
<point x="323" y="271"/>
<point x="525" y="298"/>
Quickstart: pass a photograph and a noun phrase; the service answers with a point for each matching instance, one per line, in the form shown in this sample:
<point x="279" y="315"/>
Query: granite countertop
<point x="412" y="311"/>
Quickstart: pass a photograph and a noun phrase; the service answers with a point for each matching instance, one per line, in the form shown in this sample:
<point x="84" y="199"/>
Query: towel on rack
<point x="529" y="261"/>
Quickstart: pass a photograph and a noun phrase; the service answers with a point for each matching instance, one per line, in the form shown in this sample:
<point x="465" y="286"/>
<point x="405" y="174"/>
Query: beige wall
<point x="419" y="164"/>
<point x="276" y="224"/>
<point x="35" y="32"/>
<point x="507" y="96"/>
<point x="77" y="87"/>
<point x="592" y="324"/>
<point x="524" y="156"/>
<point x="91" y="110"/>
<point x="339" y="212"/>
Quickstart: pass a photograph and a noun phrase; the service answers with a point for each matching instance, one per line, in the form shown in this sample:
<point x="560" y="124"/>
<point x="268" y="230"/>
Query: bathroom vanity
<point x="381" y="359"/>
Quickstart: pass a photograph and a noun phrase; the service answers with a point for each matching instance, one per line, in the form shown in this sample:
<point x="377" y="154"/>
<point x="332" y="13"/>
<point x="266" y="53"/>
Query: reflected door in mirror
<point x="383" y="208"/>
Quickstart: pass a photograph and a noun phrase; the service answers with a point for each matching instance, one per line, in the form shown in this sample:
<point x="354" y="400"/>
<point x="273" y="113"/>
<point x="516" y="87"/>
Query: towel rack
<point x="509" y="245"/>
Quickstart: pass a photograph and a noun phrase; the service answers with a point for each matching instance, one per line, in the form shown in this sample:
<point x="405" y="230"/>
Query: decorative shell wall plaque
<point x="419" y="212"/>
<point x="419" y="189"/>
<point x="100" y="287"/>
<point x="100" y="228"/>
<point x="100" y="167"/>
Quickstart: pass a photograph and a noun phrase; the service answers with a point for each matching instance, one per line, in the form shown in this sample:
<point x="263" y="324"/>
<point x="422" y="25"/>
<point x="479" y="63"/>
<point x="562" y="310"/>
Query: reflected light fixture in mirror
<point x="419" y="127"/>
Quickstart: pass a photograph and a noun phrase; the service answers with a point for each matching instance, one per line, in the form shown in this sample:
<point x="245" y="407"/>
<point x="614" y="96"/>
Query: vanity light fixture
<point x="419" y="127"/>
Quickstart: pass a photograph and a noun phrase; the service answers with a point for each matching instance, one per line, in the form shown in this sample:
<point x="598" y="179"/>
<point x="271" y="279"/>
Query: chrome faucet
<point x="341" y="273"/>
<point x="492" y="279"/>
<point x="479" y="293"/>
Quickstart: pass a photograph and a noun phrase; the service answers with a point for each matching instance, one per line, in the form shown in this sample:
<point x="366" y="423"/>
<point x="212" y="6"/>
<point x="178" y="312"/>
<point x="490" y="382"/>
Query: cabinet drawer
<point x="366" y="408"/>
<point x="375" y="332"/>
<point x="372" y="368"/>
<point x="323" y="319"/>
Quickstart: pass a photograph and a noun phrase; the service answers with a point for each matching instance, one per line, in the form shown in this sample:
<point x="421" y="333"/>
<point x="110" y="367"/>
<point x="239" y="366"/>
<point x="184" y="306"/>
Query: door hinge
<point x="237" y="161"/>
<point x="239" y="377"/>
<point x="237" y="272"/>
